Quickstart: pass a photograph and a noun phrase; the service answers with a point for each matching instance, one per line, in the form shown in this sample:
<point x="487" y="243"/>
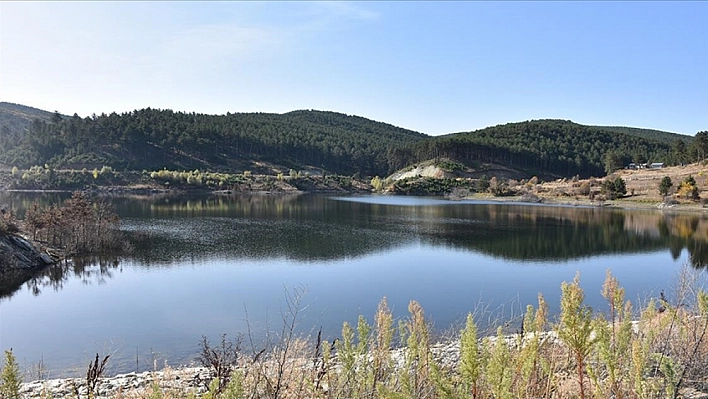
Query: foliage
<point x="575" y="327"/>
<point x="197" y="178"/>
<point x="80" y="226"/>
<point x="450" y="166"/>
<point x="688" y="189"/>
<point x="542" y="147"/>
<point x="613" y="161"/>
<point x="614" y="188"/>
<point x="700" y="145"/>
<point x="8" y="224"/>
<point x="472" y="360"/>
<point x="435" y="186"/>
<point x="154" y="139"/>
<point x="499" y="187"/>
<point x="656" y="135"/>
<point x="45" y="177"/>
<point x="377" y="184"/>
<point x="10" y="378"/>
<point x="584" y="355"/>
<point x="665" y="185"/>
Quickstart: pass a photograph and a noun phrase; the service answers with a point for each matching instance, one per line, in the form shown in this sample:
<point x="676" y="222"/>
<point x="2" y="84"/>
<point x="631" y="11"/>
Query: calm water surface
<point x="225" y="264"/>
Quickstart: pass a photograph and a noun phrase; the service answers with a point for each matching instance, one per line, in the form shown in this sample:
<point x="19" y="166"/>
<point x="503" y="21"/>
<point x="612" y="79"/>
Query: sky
<point x="433" y="67"/>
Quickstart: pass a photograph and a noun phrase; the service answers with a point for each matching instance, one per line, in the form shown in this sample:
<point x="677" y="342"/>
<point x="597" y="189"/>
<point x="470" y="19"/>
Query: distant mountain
<point x="155" y="139"/>
<point x="151" y="139"/>
<point x="15" y="118"/>
<point x="547" y="148"/>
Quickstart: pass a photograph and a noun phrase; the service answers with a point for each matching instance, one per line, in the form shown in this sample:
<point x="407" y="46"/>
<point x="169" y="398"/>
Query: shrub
<point x="688" y="188"/>
<point x="10" y="377"/>
<point x="377" y="183"/>
<point x="8" y="224"/>
<point x="665" y="185"/>
<point x="221" y="360"/>
<point x="614" y="188"/>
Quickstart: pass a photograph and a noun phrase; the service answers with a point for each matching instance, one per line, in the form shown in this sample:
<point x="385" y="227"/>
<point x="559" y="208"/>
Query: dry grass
<point x="662" y="355"/>
<point x="642" y="185"/>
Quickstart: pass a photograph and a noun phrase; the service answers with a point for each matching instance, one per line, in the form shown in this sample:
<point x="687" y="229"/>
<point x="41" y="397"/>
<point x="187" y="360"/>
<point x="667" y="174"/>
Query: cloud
<point x="216" y="43"/>
<point x="332" y="15"/>
<point x="339" y="9"/>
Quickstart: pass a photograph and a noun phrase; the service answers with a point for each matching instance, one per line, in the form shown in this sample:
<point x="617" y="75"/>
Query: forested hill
<point x="155" y="139"/>
<point x="15" y="119"/>
<point x="658" y="135"/>
<point x="546" y="148"/>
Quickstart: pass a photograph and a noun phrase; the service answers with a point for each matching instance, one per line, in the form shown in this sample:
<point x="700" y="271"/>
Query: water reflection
<point x="165" y="230"/>
<point x="92" y="270"/>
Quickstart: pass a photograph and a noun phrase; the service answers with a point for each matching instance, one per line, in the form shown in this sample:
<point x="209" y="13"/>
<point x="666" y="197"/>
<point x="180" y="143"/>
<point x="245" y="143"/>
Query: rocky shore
<point x="18" y="253"/>
<point x="182" y="379"/>
<point x="19" y="261"/>
<point x="185" y="380"/>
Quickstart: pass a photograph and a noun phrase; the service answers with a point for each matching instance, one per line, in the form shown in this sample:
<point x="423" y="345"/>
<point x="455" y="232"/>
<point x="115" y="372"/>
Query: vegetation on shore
<point x="78" y="227"/>
<point x="582" y="354"/>
<point x="334" y="143"/>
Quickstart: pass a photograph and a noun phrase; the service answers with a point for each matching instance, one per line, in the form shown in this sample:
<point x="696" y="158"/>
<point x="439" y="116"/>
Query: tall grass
<point x="654" y="353"/>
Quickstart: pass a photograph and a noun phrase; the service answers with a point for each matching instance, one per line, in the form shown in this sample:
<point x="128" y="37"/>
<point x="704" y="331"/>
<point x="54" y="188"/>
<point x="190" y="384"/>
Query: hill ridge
<point x="331" y="141"/>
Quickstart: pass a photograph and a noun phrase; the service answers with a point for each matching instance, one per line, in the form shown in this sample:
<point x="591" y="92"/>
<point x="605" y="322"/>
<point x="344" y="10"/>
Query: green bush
<point x="10" y="379"/>
<point x="614" y="188"/>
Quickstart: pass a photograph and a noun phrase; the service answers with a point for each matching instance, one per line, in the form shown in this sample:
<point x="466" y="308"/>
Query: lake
<point x="214" y="264"/>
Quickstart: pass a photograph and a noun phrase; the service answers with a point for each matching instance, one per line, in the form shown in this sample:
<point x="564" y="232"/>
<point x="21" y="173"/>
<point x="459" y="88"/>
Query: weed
<point x="221" y="360"/>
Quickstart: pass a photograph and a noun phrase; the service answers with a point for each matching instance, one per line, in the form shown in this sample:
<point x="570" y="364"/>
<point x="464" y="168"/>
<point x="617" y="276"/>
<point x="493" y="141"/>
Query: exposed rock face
<point x="19" y="262"/>
<point x="18" y="253"/>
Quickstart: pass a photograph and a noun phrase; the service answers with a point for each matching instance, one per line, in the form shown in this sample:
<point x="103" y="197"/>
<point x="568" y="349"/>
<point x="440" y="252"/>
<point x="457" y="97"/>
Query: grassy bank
<point x="107" y="179"/>
<point x="656" y="350"/>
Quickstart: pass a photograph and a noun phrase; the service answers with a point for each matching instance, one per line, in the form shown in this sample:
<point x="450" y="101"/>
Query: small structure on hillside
<point x="656" y="165"/>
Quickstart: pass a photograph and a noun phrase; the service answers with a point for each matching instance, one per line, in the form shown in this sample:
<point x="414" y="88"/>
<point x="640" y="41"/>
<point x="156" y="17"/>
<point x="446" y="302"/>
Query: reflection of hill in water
<point x="551" y="234"/>
<point x="313" y="228"/>
<point x="93" y="270"/>
<point x="302" y="228"/>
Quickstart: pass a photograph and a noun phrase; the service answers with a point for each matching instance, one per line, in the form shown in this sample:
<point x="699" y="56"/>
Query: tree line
<point x="554" y="147"/>
<point x="153" y="139"/>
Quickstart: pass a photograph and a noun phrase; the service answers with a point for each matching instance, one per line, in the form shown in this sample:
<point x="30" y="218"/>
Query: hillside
<point x="657" y="135"/>
<point x="17" y="116"/>
<point x="15" y="121"/>
<point x="265" y="143"/>
<point x="546" y="148"/>
<point x="155" y="139"/>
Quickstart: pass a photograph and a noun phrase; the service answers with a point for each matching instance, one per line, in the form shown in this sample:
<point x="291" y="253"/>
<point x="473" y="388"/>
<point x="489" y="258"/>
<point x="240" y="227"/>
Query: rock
<point x="19" y="262"/>
<point x="20" y="254"/>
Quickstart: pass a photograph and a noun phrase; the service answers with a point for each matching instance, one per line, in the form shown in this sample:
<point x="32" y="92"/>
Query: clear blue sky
<point x="434" y="67"/>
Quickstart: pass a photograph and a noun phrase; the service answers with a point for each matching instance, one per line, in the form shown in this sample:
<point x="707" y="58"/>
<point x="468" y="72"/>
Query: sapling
<point x="529" y="364"/>
<point x="10" y="377"/>
<point x="414" y="376"/>
<point x="383" y="327"/>
<point x="575" y="327"/>
<point x="471" y="359"/>
<point x="614" y="340"/>
<point x="499" y="371"/>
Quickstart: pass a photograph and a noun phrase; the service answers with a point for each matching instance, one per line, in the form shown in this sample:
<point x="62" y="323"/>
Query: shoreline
<point x="627" y="204"/>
